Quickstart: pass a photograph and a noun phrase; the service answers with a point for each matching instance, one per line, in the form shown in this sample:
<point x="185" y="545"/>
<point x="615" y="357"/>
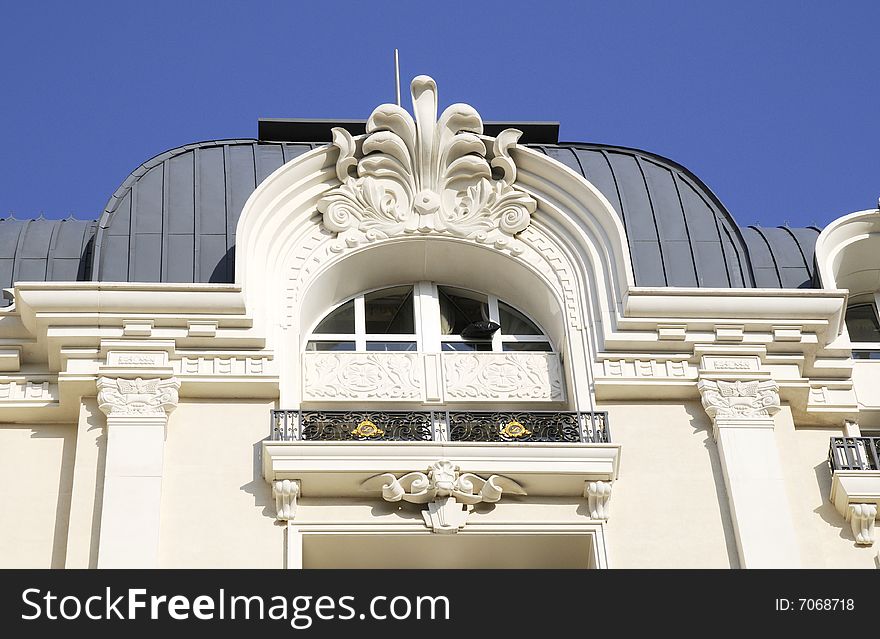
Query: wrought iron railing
<point x="462" y="426"/>
<point x="854" y="453"/>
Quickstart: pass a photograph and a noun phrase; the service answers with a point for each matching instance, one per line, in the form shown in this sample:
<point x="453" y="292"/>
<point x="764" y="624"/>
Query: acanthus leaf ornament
<point x="739" y="399"/>
<point x="137" y="397"/>
<point x="424" y="175"/>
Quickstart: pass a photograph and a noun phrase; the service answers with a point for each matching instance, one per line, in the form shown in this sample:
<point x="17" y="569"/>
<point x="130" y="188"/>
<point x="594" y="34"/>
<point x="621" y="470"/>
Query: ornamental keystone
<point x="426" y="176"/>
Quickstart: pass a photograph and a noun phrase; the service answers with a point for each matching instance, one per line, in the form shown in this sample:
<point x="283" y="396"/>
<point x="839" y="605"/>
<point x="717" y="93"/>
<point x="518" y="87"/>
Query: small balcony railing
<point x="854" y="453"/>
<point x="441" y="426"/>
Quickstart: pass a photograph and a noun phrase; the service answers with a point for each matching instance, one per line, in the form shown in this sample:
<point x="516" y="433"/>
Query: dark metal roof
<point x="295" y="130"/>
<point x="45" y="250"/>
<point x="782" y="257"/>
<point x="174" y="220"/>
<point x="679" y="233"/>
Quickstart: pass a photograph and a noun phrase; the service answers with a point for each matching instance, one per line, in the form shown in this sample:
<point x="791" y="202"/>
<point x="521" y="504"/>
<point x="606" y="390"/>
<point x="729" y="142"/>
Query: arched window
<point x="426" y="317"/>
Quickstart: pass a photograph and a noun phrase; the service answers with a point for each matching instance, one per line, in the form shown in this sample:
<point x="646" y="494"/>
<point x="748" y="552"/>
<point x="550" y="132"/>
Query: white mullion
<point x="360" y="329"/>
<point x="429" y="317"/>
<point x="495" y="316"/>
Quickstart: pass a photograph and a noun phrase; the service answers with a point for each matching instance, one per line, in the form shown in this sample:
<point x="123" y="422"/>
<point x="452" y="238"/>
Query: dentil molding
<point x="449" y="493"/>
<point x="118" y="397"/>
<point x="426" y="176"/>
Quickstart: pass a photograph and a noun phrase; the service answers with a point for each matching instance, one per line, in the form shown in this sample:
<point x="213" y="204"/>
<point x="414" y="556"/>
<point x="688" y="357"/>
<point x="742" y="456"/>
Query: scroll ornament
<point x="449" y="493"/>
<point x="416" y="176"/>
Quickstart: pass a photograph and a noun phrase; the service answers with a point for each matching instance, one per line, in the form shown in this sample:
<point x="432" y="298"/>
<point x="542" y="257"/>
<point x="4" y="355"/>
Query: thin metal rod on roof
<point x="397" y="75"/>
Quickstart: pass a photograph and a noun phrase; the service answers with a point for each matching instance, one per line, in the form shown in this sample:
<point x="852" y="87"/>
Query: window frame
<point x="859" y="302"/>
<point x="426" y="314"/>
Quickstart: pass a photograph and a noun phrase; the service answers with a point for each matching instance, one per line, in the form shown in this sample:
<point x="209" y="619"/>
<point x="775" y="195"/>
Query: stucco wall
<point x="825" y="538"/>
<point x="217" y="510"/>
<point x="669" y="505"/>
<point x="36" y="469"/>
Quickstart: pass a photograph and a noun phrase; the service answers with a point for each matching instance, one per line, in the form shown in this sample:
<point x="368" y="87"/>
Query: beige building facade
<point x="438" y="348"/>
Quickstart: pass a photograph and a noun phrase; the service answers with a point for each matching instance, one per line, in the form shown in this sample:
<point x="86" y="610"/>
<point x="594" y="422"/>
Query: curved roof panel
<point x="782" y="257"/>
<point x="174" y="220"/>
<point x="45" y="250"/>
<point x="679" y="233"/>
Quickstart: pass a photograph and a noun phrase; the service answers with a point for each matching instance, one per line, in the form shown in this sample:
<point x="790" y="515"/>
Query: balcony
<point x="441" y="426"/>
<point x="854" y="453"/>
<point x="561" y="455"/>
<point x="855" y="483"/>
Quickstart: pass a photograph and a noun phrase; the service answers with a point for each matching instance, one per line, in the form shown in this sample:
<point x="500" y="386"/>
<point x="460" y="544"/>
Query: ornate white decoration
<point x="449" y="493"/>
<point x="286" y="492"/>
<point x="220" y="365"/>
<point x="598" y="494"/>
<point x="862" y="518"/>
<point x="18" y="391"/>
<point x="739" y="399"/>
<point x="424" y="175"/>
<point x="503" y="376"/>
<point x="362" y="376"/>
<point x="137" y="397"/>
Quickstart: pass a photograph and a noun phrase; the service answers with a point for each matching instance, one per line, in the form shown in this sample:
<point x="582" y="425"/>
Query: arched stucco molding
<point x="520" y="208"/>
<point x="846" y="253"/>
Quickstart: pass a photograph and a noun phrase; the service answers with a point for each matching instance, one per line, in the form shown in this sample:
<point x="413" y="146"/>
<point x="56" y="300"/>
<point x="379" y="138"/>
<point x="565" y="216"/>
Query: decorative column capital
<point x="740" y="399"/>
<point x="118" y="397"/>
<point x="286" y="492"/>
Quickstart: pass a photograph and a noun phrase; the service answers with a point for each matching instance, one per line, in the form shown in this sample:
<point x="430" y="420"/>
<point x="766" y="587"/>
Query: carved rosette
<point x="449" y="493"/>
<point x="421" y="175"/>
<point x="137" y="397"/>
<point x="739" y="399"/>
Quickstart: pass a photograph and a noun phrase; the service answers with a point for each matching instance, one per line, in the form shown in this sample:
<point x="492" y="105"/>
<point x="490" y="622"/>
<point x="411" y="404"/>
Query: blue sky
<point x="773" y="104"/>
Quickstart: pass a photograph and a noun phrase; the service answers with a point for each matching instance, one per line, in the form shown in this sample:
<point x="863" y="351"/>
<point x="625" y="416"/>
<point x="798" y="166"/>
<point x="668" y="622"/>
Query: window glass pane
<point x="526" y="346"/>
<point x="458" y="308"/>
<point x="390" y="311"/>
<point x="341" y="320"/>
<point x="467" y="346"/>
<point x="861" y="322"/>
<point x="515" y="323"/>
<point x="391" y="346"/>
<point x="330" y="346"/>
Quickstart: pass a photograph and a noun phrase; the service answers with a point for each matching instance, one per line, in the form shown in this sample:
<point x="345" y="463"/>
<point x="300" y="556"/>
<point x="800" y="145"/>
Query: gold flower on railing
<point x="367" y="429"/>
<point x="515" y="429"/>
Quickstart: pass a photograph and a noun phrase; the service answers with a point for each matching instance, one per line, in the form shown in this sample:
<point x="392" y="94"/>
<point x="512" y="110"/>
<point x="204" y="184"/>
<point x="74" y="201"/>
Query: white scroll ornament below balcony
<point x="426" y="176"/>
<point x="450" y="494"/>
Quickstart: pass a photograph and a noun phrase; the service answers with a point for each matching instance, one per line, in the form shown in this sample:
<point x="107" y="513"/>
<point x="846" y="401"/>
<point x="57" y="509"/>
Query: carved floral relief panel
<point x="466" y="377"/>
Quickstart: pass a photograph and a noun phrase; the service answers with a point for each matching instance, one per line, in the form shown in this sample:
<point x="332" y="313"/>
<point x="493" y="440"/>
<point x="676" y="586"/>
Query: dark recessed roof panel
<point x="295" y="130"/>
<point x="45" y="250"/>
<point x="782" y="256"/>
<point x="174" y="217"/>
